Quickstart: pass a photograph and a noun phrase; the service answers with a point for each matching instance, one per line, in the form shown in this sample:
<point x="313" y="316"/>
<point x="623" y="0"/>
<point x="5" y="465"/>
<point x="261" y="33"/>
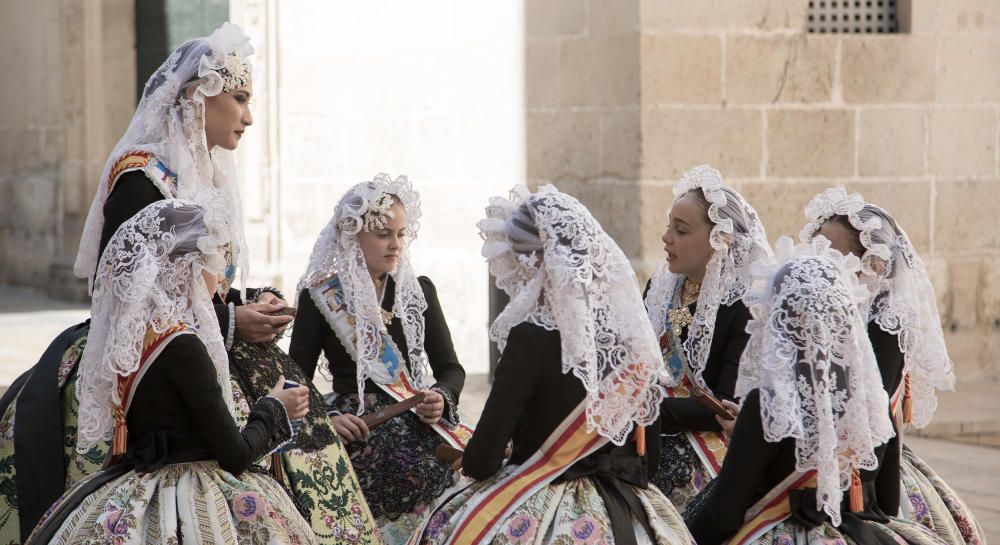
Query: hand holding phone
<point x="710" y="402"/>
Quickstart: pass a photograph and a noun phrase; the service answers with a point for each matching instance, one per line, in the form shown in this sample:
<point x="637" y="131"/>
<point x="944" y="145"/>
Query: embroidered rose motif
<point x="522" y="529"/>
<point x="585" y="531"/>
<point x="112" y="523"/>
<point x="248" y="506"/>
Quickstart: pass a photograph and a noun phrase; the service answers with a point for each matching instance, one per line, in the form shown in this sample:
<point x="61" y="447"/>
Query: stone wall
<point x="68" y="94"/>
<point x="620" y="101"/>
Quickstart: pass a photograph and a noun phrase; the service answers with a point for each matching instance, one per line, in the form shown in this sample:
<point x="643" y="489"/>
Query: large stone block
<point x="918" y="17"/>
<point x="967" y="68"/>
<point x="779" y="68"/>
<point x="563" y="145"/>
<point x="810" y="143"/>
<point x="554" y="18"/>
<point x="937" y="270"/>
<point x="612" y="16"/>
<point x="891" y="142"/>
<point x="656" y="200"/>
<point x="621" y="145"/>
<point x="661" y="15"/>
<point x="599" y="70"/>
<point x="964" y="273"/>
<point x="962" y="142"/>
<point x="681" y="68"/>
<point x="674" y="140"/>
<point x="781" y="204"/>
<point x="968" y="16"/>
<point x="989" y="294"/>
<point x="541" y="73"/>
<point x="965" y="216"/>
<point x="887" y="68"/>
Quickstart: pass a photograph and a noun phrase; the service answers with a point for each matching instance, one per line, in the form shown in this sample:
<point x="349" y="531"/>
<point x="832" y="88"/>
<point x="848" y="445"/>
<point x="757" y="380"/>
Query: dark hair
<point x="699" y="195"/>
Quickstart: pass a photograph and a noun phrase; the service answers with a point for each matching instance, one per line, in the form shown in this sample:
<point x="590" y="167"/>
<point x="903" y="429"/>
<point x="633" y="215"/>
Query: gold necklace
<point x="387" y="316"/>
<point x="681" y="317"/>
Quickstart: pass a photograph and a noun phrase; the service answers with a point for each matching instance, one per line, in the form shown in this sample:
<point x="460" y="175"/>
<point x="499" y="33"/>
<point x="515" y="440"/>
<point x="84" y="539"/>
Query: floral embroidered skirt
<point x="681" y="475"/>
<point x="318" y="475"/>
<point x="567" y="512"/>
<point x="322" y="481"/>
<point x="935" y="505"/>
<point x="77" y="466"/>
<point x="399" y="474"/>
<point x="179" y="503"/>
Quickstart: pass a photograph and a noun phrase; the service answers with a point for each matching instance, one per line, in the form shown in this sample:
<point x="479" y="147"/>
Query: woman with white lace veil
<point x="180" y="143"/>
<point x="905" y="332"/>
<point x="695" y="304"/>
<point x="578" y="384"/>
<point x="154" y="380"/>
<point x="813" y="412"/>
<point x="385" y="340"/>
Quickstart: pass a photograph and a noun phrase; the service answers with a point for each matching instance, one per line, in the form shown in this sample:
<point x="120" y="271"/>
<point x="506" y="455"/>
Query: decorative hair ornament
<point x="901" y="300"/>
<point x="226" y="67"/>
<point x="810" y="360"/>
<point x="737" y="238"/>
<point x="379" y="214"/>
<point x="578" y="281"/>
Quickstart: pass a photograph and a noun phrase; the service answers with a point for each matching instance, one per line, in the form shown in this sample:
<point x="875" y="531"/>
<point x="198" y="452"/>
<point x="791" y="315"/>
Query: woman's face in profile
<point x="227" y="115"/>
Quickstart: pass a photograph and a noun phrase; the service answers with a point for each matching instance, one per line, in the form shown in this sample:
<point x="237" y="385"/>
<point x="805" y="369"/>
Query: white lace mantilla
<point x="337" y="253"/>
<point x="582" y="285"/>
<point x="737" y="238"/>
<point x="902" y="299"/>
<point x="149" y="278"/>
<point x="810" y="358"/>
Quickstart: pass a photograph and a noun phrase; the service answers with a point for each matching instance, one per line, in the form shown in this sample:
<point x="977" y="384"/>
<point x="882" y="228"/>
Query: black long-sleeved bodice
<point x="178" y="414"/>
<point x="312" y="334"/>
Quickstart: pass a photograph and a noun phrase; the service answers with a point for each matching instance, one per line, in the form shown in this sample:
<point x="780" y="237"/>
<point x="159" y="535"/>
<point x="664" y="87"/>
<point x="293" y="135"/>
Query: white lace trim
<point x="171" y="126"/>
<point x="902" y="301"/>
<point x="583" y="286"/>
<point x="337" y="252"/>
<point x="810" y="358"/>
<point x="727" y="274"/>
<point x="149" y="277"/>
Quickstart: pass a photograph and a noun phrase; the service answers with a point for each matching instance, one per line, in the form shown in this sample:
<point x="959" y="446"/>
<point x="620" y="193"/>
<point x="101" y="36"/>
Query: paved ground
<point x="961" y="444"/>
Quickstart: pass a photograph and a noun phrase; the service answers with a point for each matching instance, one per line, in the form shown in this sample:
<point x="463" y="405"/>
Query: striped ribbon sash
<point x="481" y="518"/>
<point x="152" y="345"/>
<point x="772" y="509"/>
<point x="710" y="446"/>
<point x="457" y="436"/>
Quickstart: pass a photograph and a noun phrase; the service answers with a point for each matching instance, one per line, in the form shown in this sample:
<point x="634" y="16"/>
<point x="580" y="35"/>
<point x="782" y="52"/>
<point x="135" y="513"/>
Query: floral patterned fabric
<point x="322" y="482"/>
<point x="317" y="473"/>
<point x="396" y="467"/>
<point x="935" y="505"/>
<point x="78" y="465"/>
<point x="185" y="503"/>
<point x="567" y="512"/>
<point x="680" y="475"/>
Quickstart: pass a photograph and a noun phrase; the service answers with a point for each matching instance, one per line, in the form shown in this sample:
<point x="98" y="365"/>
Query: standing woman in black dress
<point x="905" y="330"/>
<point x="154" y="380"/>
<point x="385" y="339"/>
<point x="579" y="382"/>
<point x="695" y="304"/>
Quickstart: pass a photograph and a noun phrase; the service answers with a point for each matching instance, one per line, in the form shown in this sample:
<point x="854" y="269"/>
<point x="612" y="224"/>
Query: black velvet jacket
<point x="132" y="192"/>
<point x="530" y="397"/>
<point x="721" y="370"/>
<point x="312" y="334"/>
<point x="753" y="466"/>
<point x="178" y="415"/>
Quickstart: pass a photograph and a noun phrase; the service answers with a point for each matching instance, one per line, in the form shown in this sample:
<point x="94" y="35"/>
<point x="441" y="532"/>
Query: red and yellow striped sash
<point x="710" y="446"/>
<point x="569" y="443"/>
<point x="403" y="389"/>
<point x="152" y="344"/>
<point x="772" y="509"/>
<point x="130" y="161"/>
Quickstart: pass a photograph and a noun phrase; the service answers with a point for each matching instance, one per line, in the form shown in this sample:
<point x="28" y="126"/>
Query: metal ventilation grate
<point x="853" y="16"/>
